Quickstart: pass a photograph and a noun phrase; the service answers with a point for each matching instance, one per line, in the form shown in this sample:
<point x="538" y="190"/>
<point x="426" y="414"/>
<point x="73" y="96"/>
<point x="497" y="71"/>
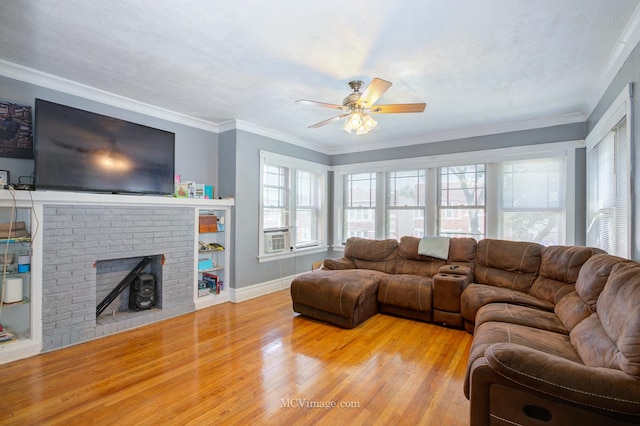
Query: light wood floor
<point x="255" y="362"/>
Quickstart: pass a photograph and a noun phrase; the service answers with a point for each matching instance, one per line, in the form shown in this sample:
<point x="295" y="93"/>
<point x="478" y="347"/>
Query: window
<point x="608" y="165"/>
<point x="532" y="200"/>
<point x="276" y="197"/>
<point x="462" y="201"/>
<point x="307" y="209"/>
<point x="359" y="200"/>
<point x="517" y="193"/>
<point x="405" y="202"/>
<point x="292" y="204"/>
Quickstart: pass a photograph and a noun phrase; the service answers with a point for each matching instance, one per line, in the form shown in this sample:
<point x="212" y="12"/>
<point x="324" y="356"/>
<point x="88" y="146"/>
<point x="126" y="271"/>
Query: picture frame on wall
<point x="16" y="130"/>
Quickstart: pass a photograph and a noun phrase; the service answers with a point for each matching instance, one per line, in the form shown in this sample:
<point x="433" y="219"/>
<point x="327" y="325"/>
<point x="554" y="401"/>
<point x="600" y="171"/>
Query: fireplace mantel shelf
<point x="62" y="197"/>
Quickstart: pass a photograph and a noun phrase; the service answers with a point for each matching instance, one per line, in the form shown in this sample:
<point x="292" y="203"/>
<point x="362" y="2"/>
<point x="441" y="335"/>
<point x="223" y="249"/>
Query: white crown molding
<point x="39" y="78"/>
<point x="227" y="125"/>
<point x="280" y="136"/>
<point x="627" y="42"/>
<point x="466" y="133"/>
<point x="52" y="82"/>
<point x="49" y="81"/>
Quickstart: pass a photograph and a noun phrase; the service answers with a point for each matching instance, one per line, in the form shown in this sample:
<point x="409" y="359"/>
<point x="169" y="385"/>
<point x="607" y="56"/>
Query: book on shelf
<point x="213" y="282"/>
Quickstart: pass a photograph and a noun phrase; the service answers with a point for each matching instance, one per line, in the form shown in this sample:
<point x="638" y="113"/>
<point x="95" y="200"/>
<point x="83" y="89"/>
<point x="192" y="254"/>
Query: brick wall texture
<point x="77" y="237"/>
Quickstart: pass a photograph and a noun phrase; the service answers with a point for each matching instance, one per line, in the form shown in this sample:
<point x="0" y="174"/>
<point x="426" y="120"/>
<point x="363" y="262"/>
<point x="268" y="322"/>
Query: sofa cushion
<point x="559" y="269"/>
<point x="619" y="310"/>
<point x="571" y="310"/>
<point x="406" y="291"/>
<point x="523" y="315"/>
<point x="408" y="249"/>
<point x="416" y="267"/>
<point x="610" y="337"/>
<point x="499" y="332"/>
<point x="593" y="276"/>
<point x="462" y="251"/>
<point x="508" y="264"/>
<point x="477" y="295"/>
<point x="410" y="262"/>
<point x="377" y="255"/>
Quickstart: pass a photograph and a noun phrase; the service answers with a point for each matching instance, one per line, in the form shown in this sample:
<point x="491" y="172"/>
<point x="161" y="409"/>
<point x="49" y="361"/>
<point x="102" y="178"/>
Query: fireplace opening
<point x="143" y="294"/>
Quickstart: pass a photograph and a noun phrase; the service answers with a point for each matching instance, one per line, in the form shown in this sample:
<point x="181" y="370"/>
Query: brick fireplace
<point x="76" y="239"/>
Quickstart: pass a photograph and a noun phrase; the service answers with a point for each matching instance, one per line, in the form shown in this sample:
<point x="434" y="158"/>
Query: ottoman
<point x="345" y="298"/>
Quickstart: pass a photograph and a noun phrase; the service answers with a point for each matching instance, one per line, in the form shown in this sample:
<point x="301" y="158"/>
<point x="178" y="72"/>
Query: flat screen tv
<point x="78" y="150"/>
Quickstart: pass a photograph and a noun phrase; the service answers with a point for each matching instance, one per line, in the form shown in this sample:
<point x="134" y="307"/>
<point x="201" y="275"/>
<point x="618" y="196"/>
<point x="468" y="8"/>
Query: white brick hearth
<point x="75" y="237"/>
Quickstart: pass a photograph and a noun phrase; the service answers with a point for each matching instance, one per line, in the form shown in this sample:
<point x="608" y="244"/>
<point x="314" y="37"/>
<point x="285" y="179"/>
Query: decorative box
<point x="204" y="264"/>
<point x="208" y="192"/>
<point x="208" y="223"/>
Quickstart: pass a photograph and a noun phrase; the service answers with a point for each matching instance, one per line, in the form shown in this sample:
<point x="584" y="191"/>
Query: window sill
<point x="291" y="254"/>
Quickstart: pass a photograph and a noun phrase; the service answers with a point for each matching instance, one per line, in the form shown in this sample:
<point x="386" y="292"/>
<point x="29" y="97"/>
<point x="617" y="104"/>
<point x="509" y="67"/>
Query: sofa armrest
<point x="447" y="289"/>
<point x="601" y="389"/>
<point x="339" y="263"/>
<point x="455" y="270"/>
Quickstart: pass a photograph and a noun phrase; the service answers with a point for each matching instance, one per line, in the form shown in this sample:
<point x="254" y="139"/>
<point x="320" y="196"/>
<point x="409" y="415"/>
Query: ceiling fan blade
<point x="397" y="108"/>
<point x="321" y="104"/>
<point x="322" y="123"/>
<point x="372" y="93"/>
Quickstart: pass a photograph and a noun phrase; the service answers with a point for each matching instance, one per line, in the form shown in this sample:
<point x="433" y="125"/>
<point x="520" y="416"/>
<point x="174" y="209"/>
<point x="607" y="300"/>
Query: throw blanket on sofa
<point x="437" y="247"/>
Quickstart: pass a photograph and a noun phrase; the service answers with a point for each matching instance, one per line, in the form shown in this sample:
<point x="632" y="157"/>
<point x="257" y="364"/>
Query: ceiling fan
<point x="358" y="105"/>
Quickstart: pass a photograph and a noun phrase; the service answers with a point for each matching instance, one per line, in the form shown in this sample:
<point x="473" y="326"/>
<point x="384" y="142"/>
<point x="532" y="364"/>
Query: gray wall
<point x="240" y="177"/>
<point x="567" y="132"/>
<point x="629" y="73"/>
<point x="196" y="149"/>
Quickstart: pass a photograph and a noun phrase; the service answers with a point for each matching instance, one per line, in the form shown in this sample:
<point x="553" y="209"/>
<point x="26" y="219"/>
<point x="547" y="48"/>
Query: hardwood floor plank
<point x="256" y="362"/>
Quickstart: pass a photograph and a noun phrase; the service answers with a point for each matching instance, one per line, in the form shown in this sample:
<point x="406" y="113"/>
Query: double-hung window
<point x="532" y="205"/>
<point x="462" y="201"/>
<point x="609" y="180"/>
<point x="276" y="195"/>
<point x="308" y="208"/>
<point x="293" y="204"/>
<point x="359" y="201"/>
<point x="405" y="203"/>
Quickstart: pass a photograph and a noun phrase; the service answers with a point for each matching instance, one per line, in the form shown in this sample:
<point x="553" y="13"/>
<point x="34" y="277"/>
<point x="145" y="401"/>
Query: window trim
<point x="293" y="163"/>
<point x="491" y="158"/>
<point x="563" y="203"/>
<point x="620" y="108"/>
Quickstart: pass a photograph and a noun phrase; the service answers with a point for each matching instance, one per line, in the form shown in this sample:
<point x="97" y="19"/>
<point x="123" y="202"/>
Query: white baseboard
<point x="245" y="293"/>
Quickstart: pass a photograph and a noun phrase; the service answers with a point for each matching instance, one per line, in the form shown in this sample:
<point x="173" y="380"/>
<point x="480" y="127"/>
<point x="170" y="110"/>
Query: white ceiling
<point x="480" y="65"/>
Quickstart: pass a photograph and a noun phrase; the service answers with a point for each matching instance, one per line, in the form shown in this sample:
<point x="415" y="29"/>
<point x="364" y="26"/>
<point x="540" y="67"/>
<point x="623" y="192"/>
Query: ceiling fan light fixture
<point x="357" y="106"/>
<point x="360" y="122"/>
<point x="355" y="120"/>
<point x="369" y="123"/>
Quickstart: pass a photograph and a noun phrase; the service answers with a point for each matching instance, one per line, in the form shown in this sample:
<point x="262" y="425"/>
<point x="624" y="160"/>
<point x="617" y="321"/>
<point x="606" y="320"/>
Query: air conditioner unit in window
<point x="276" y="241"/>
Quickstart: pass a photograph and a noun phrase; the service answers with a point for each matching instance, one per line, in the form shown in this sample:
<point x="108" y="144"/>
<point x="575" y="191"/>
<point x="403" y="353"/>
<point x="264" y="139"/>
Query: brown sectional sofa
<point x="556" y="329"/>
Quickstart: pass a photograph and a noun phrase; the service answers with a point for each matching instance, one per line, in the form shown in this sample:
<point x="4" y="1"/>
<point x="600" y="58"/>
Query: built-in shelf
<point x="31" y="342"/>
<point x="212" y="231"/>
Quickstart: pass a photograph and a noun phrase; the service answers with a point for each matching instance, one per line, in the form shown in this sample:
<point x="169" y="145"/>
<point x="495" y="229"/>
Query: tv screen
<point x="79" y="150"/>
